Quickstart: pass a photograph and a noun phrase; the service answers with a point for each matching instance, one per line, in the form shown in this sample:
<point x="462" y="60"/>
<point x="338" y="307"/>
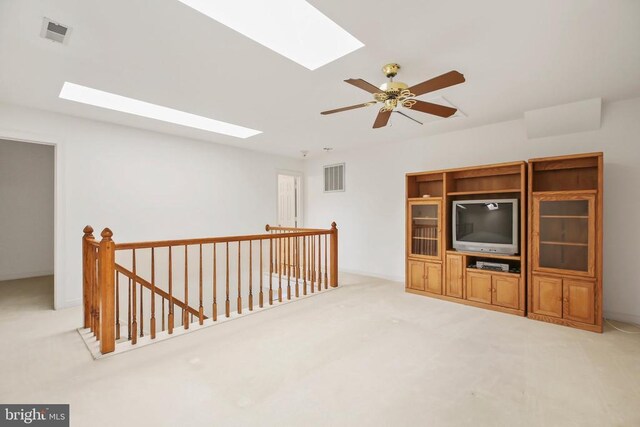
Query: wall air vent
<point x="334" y="178"/>
<point x="54" y="31"/>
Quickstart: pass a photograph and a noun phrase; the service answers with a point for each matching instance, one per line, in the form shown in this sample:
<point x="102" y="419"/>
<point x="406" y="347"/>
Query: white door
<point x="289" y="200"/>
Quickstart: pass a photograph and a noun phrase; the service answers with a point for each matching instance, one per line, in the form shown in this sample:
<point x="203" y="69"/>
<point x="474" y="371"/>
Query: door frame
<point x="58" y="207"/>
<point x="300" y="199"/>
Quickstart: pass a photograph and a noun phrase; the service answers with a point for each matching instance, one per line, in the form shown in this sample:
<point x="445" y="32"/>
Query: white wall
<point x="144" y="186"/>
<point x="26" y="210"/>
<point x="370" y="214"/>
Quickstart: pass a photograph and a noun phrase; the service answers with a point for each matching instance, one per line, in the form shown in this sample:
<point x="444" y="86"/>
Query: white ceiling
<point x="516" y="56"/>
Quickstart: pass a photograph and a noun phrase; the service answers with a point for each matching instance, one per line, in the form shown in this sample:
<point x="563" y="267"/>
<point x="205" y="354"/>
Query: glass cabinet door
<point x="564" y="233"/>
<point x="424" y="223"/>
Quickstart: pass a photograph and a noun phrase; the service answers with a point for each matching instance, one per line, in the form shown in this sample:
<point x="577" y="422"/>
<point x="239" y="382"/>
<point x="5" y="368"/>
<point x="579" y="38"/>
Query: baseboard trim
<point x="70" y="303"/>
<point x="17" y="276"/>
<point x="369" y="274"/>
<point x="622" y="317"/>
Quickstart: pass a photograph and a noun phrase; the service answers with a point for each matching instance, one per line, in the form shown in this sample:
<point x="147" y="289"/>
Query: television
<point x="486" y="226"/>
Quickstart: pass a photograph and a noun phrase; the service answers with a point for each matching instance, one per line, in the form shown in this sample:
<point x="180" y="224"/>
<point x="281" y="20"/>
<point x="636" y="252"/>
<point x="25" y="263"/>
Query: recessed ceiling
<point x="516" y="56"/>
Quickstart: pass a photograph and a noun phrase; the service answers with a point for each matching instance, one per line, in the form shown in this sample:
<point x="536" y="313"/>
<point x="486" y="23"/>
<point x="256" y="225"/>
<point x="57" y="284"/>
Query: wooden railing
<point x="142" y="281"/>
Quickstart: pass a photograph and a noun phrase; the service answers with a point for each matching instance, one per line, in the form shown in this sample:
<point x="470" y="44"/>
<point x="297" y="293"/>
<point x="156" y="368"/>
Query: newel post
<point x="334" y="255"/>
<point x="106" y="274"/>
<point x="87" y="271"/>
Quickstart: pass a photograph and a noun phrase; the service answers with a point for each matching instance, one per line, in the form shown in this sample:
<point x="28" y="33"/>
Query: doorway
<point x="27" y="195"/>
<point x="289" y="199"/>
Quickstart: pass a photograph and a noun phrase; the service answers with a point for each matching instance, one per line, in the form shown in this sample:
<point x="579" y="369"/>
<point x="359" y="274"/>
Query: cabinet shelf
<point x="485" y="255"/>
<point x="425" y="218"/>
<point x="426" y="238"/>
<point x="492" y="272"/>
<point x="565" y="216"/>
<point x="424" y="199"/>
<point x="563" y="243"/>
<point x="465" y="193"/>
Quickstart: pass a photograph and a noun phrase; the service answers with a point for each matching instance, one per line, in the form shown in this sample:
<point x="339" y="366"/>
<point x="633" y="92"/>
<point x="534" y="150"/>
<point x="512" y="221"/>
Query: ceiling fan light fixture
<point x="393" y="94"/>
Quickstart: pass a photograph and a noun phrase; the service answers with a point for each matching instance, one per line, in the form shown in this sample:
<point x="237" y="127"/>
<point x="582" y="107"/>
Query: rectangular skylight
<point x="293" y="28"/>
<point x="87" y="95"/>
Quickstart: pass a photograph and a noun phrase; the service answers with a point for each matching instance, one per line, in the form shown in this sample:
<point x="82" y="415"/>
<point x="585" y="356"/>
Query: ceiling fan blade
<point x="408" y="117"/>
<point x="351" y="107"/>
<point x="429" y="108"/>
<point x="382" y="119"/>
<point x="445" y="80"/>
<point x="363" y="85"/>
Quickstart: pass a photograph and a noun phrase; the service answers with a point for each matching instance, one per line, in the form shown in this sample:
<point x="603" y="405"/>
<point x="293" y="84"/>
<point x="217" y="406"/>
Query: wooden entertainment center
<point x="560" y="228"/>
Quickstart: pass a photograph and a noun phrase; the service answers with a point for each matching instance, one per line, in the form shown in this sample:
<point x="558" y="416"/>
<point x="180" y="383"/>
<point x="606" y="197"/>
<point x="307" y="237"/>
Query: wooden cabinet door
<point x="416" y="275"/>
<point x="563" y="234"/>
<point x="424" y="237"/>
<point x="547" y="295"/>
<point x="453" y="280"/>
<point x="579" y="300"/>
<point x="433" y="277"/>
<point x="506" y="291"/>
<point x="479" y="287"/>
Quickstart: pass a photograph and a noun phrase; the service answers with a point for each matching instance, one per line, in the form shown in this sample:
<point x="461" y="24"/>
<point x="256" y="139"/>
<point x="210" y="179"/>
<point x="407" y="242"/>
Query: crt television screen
<point x="485" y="222"/>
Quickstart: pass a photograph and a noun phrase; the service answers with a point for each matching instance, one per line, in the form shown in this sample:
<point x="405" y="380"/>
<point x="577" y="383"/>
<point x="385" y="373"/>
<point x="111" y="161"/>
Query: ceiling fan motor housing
<point x="390" y="70"/>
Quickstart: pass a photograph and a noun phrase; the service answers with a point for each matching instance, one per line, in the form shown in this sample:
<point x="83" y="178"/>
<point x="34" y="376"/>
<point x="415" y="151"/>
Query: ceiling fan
<point x="393" y="94"/>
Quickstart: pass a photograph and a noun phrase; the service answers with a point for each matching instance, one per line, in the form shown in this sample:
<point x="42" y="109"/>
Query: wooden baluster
<point x="96" y="293"/>
<point x="141" y="311"/>
<point x="163" y="299"/>
<point x="87" y="295"/>
<point x="117" y="306"/>
<point x="227" y="302"/>
<point x="239" y="282"/>
<point x="215" y="288"/>
<point x="312" y="273"/>
<point x="271" y="273"/>
<point x="250" y="276"/>
<point x="201" y="309"/>
<point x="326" y="267"/>
<point x="129" y="313"/>
<point x="319" y="262"/>
<point x="185" y="313"/>
<point x="261" y="295"/>
<point x="296" y="255"/>
<point x="280" y="270"/>
<point x="334" y="255"/>
<point x="288" y="268"/>
<point x="304" y="265"/>
<point x="106" y="279"/>
<point x="152" y="322"/>
<point x="170" y="304"/>
<point x="134" y="323"/>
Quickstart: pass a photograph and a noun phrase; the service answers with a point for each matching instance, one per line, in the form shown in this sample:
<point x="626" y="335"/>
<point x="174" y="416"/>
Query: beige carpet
<point x="366" y="354"/>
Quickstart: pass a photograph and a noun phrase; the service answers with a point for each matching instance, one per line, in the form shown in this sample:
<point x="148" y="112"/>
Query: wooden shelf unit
<point x="565" y="240"/>
<point x="444" y="272"/>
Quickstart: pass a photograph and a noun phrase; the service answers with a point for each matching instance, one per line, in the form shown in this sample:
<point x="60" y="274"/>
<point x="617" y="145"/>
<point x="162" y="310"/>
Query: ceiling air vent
<point x="334" y="178"/>
<point x="54" y="31"/>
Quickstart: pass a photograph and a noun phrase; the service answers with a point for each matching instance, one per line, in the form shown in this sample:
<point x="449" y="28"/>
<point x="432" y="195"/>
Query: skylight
<point x="293" y="28"/>
<point x="98" y="98"/>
